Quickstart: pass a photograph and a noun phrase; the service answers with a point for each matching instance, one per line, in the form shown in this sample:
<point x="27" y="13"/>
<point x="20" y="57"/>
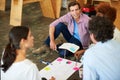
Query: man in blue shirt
<point x="101" y="62"/>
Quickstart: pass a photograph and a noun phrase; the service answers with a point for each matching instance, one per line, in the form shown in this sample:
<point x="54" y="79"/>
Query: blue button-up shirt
<point x="102" y="61"/>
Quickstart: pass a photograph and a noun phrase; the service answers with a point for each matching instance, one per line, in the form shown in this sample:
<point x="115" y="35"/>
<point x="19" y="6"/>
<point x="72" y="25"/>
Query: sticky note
<point x="76" y="68"/>
<point x="47" y="68"/>
<point x="59" y="59"/>
<point x="68" y="62"/>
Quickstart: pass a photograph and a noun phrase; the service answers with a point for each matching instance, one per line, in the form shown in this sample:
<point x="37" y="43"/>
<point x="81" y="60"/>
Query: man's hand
<point x="53" y="45"/>
<point x="79" y="53"/>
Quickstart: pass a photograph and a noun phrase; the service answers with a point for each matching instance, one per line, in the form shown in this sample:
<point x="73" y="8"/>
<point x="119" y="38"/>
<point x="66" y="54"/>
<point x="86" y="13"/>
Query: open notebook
<point x="70" y="47"/>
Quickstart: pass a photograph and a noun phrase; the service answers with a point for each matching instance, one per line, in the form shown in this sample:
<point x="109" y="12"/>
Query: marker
<point x="44" y="62"/>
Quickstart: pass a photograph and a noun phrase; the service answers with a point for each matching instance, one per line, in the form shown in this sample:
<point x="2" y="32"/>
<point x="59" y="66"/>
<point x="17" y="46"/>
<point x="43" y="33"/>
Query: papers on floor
<point x="60" y="68"/>
<point x="70" y="47"/>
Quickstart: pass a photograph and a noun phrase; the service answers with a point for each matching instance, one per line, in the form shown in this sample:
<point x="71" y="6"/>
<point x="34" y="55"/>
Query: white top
<point x="24" y="70"/>
<point x="116" y="34"/>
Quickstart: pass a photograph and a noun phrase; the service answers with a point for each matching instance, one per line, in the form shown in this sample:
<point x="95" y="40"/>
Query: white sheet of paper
<point x="61" y="70"/>
<point x="70" y="47"/>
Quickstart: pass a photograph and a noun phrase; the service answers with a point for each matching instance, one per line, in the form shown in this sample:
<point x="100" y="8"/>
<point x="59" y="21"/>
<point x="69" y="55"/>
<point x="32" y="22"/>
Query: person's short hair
<point x="107" y="10"/>
<point x="102" y="28"/>
<point x="73" y="3"/>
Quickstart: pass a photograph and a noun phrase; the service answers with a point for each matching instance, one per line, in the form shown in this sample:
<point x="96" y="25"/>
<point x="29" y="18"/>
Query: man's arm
<point x="64" y="19"/>
<point x="52" y="39"/>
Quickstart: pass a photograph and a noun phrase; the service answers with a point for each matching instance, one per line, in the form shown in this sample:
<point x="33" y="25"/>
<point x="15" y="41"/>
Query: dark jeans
<point x="62" y="28"/>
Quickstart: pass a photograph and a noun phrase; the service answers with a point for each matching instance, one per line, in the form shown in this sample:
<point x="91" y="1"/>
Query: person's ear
<point x="22" y="42"/>
<point x="92" y="36"/>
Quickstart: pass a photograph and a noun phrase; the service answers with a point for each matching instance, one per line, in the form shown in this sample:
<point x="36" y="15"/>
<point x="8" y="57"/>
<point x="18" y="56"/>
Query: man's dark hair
<point x="102" y="28"/>
<point x="73" y="3"/>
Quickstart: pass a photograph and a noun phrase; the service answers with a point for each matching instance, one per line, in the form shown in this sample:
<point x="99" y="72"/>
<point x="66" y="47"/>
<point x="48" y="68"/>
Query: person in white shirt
<point x="15" y="65"/>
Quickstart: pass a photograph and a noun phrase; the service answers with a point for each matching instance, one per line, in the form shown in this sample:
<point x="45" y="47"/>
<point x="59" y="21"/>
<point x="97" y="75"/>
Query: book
<point x="70" y="47"/>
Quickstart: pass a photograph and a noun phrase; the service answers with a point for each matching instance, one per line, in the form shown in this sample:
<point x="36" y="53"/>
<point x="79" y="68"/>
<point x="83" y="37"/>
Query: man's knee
<point x="60" y="26"/>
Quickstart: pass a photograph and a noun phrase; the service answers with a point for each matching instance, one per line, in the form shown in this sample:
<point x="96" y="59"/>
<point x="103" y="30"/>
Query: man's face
<point x="75" y="11"/>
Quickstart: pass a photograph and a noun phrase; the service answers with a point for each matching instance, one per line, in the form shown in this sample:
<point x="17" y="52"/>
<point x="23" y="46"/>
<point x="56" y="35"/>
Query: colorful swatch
<point x="47" y="68"/>
<point x="59" y="59"/>
<point x="68" y="62"/>
<point x="76" y="68"/>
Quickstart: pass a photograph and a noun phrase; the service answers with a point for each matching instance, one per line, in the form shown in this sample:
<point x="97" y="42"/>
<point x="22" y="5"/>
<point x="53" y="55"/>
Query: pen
<point x="56" y="50"/>
<point x="44" y="62"/>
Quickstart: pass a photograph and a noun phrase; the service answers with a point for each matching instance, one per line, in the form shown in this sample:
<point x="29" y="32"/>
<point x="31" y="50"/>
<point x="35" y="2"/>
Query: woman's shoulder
<point x="28" y="63"/>
<point x="25" y="64"/>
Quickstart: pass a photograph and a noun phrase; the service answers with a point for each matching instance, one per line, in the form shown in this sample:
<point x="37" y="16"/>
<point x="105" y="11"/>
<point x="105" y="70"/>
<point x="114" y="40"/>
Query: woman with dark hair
<point x="14" y="65"/>
<point x="106" y="10"/>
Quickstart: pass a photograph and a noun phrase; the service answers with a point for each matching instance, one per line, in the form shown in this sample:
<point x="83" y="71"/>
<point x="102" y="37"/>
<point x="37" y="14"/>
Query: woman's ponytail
<point x="9" y="56"/>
